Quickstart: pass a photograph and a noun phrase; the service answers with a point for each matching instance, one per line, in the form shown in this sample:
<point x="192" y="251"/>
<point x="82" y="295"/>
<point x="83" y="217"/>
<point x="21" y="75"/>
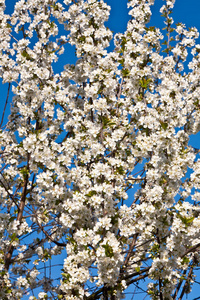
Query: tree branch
<point x="186" y="283"/>
<point x="179" y="286"/>
<point x="4" y="110"/>
<point x="11" y="248"/>
<point x="48" y="235"/>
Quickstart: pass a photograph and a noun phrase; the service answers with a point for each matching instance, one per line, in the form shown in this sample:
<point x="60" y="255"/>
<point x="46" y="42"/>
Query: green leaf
<point x="13" y="237"/>
<point x="164" y="125"/>
<point x="185" y="260"/>
<point x="154" y="251"/>
<point x="46" y="254"/>
<point x="121" y="61"/>
<point x="8" y="25"/>
<point x="91" y="193"/>
<point x="25" y="172"/>
<point x="185" y="220"/>
<point x="26" y="55"/>
<point x="120" y="170"/>
<point x="66" y="276"/>
<point x="151" y="28"/>
<point x="107" y="122"/>
<point x="114" y="219"/>
<point x="125" y="72"/>
<point x="137" y="269"/>
<point x="144" y="83"/>
<point x="108" y="250"/>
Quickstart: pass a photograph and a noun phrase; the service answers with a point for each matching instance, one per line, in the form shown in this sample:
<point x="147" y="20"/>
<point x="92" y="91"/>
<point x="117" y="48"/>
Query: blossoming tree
<point x="99" y="185"/>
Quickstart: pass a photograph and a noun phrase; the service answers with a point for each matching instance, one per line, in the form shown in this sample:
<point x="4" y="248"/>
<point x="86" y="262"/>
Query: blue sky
<point x="187" y="12"/>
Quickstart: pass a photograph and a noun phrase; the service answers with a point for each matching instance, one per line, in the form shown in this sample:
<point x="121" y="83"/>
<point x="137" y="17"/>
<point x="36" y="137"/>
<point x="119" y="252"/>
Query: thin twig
<point x="8" y="257"/>
<point x="5" y="104"/>
<point x="131" y="249"/>
<point x="192" y="249"/>
<point x="47" y="234"/>
<point x="186" y="283"/>
<point x="179" y="286"/>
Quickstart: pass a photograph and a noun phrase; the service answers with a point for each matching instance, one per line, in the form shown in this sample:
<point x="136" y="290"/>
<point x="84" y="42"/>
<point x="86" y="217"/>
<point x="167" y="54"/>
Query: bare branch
<point x="4" y="110"/>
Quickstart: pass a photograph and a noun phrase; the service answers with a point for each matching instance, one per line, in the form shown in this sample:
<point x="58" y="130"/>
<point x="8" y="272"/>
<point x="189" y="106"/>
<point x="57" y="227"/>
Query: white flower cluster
<point x="95" y="160"/>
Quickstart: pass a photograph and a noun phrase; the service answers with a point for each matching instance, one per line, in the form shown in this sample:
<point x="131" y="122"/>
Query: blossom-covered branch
<point x="97" y="173"/>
